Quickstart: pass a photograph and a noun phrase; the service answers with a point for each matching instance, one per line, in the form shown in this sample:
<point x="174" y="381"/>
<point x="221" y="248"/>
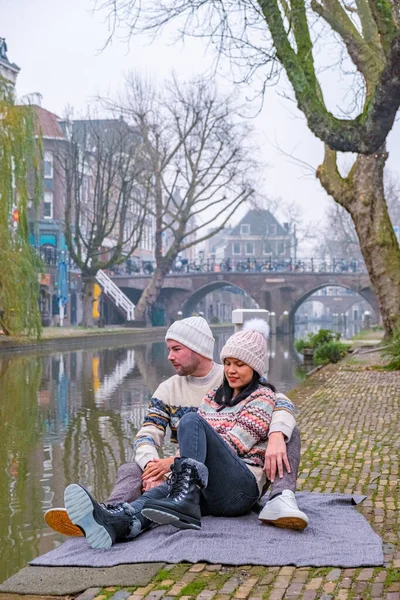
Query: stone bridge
<point x="336" y="304"/>
<point x="276" y="292"/>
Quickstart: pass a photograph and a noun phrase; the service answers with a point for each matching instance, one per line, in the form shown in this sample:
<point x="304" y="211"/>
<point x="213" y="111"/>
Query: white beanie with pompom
<point x="249" y="345"/>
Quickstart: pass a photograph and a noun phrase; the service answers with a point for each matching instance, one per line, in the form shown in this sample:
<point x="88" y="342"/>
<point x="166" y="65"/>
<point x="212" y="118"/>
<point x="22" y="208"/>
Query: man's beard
<point x="190" y="368"/>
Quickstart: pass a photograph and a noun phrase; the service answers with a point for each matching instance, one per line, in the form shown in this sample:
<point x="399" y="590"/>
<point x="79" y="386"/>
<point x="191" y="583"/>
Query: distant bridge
<point x="336" y="304"/>
<point x="274" y="291"/>
<point x="277" y="285"/>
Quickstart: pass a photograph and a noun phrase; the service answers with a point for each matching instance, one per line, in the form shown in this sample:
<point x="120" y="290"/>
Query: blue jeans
<point x="232" y="488"/>
<point x="129" y="478"/>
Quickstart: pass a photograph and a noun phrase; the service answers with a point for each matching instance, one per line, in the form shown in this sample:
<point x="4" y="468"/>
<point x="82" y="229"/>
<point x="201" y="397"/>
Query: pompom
<point x="257" y="325"/>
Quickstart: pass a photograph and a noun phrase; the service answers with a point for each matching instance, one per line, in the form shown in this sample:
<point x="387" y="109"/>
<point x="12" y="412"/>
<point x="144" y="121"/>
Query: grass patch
<point x="392" y="576"/>
<point x="322" y="572"/>
<point x="178" y="571"/>
<point x="354" y="361"/>
<point x="109" y="593"/>
<point x="193" y="589"/>
<point x="163" y="586"/>
<point x="162" y="575"/>
<point x="393" y="353"/>
<point x="364" y="334"/>
<point x="219" y="580"/>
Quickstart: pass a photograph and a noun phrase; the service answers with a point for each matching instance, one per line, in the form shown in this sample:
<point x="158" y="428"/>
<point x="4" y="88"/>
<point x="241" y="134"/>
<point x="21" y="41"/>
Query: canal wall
<point x="72" y="339"/>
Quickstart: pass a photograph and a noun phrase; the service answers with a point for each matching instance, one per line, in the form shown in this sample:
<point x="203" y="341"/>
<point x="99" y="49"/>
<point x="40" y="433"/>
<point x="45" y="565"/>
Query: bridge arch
<point x="275" y="291"/>
<point x="191" y="302"/>
<point x="365" y="293"/>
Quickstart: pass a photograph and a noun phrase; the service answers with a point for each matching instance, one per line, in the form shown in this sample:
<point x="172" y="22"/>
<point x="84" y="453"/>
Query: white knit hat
<point x="194" y="333"/>
<point x="249" y="345"/>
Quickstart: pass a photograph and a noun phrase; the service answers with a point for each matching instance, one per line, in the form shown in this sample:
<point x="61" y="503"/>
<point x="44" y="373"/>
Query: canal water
<point x="72" y="417"/>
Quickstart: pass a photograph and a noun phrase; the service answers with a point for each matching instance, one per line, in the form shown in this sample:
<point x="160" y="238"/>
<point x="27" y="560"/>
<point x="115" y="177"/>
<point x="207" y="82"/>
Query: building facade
<point x="47" y="223"/>
<point x="258" y="236"/>
<point x="8" y="70"/>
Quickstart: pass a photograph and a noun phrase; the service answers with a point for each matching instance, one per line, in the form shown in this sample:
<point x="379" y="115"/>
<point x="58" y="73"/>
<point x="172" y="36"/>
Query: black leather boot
<point x="102" y="525"/>
<point x="181" y="508"/>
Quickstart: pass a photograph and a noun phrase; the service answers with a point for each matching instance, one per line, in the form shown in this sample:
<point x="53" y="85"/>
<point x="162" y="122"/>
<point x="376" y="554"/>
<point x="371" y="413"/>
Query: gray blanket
<point x="338" y="535"/>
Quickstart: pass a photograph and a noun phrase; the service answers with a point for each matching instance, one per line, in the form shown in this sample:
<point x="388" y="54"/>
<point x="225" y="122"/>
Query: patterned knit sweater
<point x="244" y="427"/>
<point x="181" y="394"/>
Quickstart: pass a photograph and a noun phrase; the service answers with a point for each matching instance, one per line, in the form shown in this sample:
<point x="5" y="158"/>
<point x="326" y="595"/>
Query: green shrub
<point x="324" y="336"/>
<point x="300" y="344"/>
<point x="314" y="340"/>
<point x="326" y="345"/>
<point x="329" y="352"/>
<point x="393" y="352"/>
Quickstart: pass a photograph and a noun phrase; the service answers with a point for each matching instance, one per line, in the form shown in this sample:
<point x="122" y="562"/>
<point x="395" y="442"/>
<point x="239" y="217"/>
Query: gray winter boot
<point x="102" y="525"/>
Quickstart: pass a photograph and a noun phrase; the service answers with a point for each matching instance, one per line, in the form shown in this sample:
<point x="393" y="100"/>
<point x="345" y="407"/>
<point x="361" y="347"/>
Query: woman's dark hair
<point x="224" y="394"/>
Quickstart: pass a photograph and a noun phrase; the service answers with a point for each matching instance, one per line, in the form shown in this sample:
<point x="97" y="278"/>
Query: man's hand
<point x="156" y="468"/>
<point x="148" y="485"/>
<point x="276" y="456"/>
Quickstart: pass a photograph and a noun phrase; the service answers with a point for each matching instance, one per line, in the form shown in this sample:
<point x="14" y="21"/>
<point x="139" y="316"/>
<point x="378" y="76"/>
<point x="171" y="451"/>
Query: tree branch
<point x="388" y="29"/>
<point x="331" y="180"/>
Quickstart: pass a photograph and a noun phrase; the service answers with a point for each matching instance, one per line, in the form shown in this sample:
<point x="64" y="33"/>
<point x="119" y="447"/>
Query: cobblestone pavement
<point x="349" y="417"/>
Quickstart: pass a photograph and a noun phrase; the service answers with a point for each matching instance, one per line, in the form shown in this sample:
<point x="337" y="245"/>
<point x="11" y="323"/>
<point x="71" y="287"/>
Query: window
<point x="244" y="229"/>
<point x="236" y="249"/>
<point x="48" y="205"/>
<point x="272" y="229"/>
<point x="48" y="165"/>
<point x="267" y="249"/>
<point x="249" y="248"/>
<point x="281" y="247"/>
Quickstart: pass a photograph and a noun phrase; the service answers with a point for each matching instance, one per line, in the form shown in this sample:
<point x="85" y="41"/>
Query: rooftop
<point x="259" y="220"/>
<point x="48" y="122"/>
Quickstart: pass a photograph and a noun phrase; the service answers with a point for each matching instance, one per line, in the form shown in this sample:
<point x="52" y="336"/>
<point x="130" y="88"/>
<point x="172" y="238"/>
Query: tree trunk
<point x="152" y="291"/>
<point x="362" y="195"/>
<point x="88" y="299"/>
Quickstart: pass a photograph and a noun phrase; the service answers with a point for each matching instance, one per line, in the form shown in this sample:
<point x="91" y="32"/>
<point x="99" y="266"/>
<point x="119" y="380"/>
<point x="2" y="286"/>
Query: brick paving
<point x="349" y="416"/>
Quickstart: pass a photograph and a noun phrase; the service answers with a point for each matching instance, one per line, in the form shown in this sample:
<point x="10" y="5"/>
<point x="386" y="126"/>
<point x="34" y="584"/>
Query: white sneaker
<point x="282" y="511"/>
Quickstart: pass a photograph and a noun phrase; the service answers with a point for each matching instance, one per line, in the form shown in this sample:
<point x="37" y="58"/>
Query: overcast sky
<point x="58" y="46"/>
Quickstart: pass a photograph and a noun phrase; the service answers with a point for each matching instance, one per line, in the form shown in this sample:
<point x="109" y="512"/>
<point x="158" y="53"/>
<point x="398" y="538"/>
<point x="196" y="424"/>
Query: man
<point x="190" y="350"/>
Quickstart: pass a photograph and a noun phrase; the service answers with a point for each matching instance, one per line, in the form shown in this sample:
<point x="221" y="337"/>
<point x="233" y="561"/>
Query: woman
<point x="222" y="448"/>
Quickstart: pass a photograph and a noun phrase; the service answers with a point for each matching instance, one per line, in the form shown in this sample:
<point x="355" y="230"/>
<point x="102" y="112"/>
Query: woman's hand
<point x="156" y="468"/>
<point x="276" y="456"/>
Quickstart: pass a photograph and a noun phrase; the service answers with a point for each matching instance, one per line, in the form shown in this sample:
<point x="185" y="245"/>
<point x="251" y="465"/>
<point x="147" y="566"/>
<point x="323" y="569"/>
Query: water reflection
<point x="22" y="428"/>
<point x="72" y="417"/>
<point x="346" y="328"/>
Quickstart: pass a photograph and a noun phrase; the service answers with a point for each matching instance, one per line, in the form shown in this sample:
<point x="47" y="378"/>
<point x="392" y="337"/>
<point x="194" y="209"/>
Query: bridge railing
<point x="251" y="265"/>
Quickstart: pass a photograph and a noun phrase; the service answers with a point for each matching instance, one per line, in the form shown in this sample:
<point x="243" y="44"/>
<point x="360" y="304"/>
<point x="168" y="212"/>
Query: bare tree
<point x="199" y="158"/>
<point x="261" y="33"/>
<point x="338" y="237"/>
<point x="370" y="30"/>
<point x="105" y="204"/>
<point x="392" y="194"/>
